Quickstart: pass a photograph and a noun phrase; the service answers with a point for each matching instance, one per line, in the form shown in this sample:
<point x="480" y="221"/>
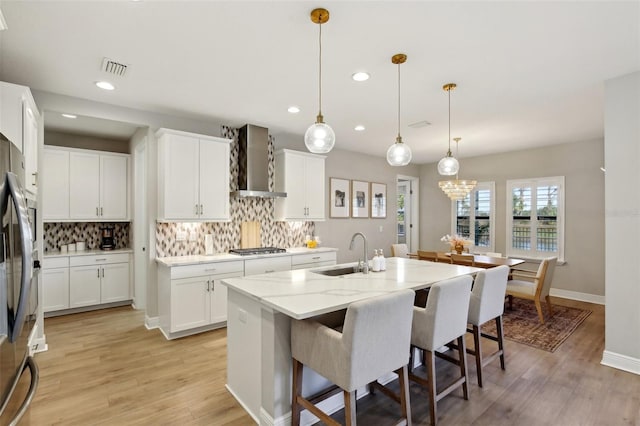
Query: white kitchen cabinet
<point x="266" y="265"/>
<point x="114" y="286"/>
<point x="19" y="122"/>
<point x="85" y="185"/>
<point x="192" y="297"/>
<point x="313" y="260"/>
<point x="84" y="286"/>
<point x="55" y="184"/>
<point x="301" y="176"/>
<point x="55" y="284"/>
<point x="193" y="176"/>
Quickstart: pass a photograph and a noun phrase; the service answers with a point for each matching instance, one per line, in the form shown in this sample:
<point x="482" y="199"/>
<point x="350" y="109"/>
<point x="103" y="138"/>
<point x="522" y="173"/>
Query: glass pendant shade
<point x="319" y="138"/>
<point x="448" y="166"/>
<point x="399" y="154"/>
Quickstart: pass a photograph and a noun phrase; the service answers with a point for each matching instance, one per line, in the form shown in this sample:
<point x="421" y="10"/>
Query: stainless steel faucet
<point x="365" y="268"/>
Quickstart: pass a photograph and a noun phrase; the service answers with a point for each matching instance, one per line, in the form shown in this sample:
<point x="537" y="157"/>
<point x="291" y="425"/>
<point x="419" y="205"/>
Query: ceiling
<point x="528" y="73"/>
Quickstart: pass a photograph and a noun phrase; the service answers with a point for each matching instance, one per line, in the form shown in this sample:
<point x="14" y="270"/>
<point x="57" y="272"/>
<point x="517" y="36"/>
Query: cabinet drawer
<point x="98" y="259"/>
<point x="55" y="262"/>
<point x="303" y="259"/>
<point x="313" y="265"/>
<point x="266" y="265"/>
<point x="217" y="268"/>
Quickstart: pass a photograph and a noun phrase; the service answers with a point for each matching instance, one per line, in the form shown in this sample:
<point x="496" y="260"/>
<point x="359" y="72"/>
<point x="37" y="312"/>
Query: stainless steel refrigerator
<point x="19" y="268"/>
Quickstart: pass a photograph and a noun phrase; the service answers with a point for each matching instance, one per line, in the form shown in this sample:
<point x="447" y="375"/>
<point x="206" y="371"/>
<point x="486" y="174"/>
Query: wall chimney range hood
<point x="253" y="164"/>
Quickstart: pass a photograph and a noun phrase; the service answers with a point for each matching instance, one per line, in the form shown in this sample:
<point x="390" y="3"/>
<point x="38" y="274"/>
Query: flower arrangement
<point x="456" y="242"/>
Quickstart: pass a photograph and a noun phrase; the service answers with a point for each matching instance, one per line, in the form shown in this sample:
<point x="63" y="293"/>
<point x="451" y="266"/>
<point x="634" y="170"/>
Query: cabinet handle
<point x="102" y="272"/>
<point x="269" y="271"/>
<point x="98" y="272"/>
<point x="210" y="270"/>
<point x="315" y="257"/>
<point x="213" y="285"/>
<point x="100" y="260"/>
<point x="101" y="212"/>
<point x="196" y="209"/>
<point x="201" y="209"/>
<point x="208" y="284"/>
<point x="35" y="178"/>
<point x="97" y="212"/>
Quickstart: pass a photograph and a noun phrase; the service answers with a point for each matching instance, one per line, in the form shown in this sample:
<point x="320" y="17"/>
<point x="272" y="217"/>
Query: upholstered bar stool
<point x="374" y="341"/>
<point x="443" y="320"/>
<point x="486" y="304"/>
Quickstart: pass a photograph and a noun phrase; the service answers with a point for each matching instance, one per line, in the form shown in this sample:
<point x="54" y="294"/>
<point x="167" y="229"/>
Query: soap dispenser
<point x="383" y="261"/>
<point x="375" y="262"/>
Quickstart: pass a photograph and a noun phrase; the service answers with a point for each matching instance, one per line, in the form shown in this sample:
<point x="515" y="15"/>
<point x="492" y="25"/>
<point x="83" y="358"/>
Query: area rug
<point x="521" y="324"/>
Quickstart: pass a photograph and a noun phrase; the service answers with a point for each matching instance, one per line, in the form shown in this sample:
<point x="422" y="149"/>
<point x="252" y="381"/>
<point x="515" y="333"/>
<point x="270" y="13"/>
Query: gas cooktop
<point x="257" y="250"/>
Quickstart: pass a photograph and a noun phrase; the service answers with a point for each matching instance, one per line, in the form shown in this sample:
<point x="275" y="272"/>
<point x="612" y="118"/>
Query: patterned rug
<point x="521" y="324"/>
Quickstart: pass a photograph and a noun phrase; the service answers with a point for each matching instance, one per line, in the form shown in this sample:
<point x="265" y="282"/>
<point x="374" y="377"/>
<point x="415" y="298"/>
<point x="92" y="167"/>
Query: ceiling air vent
<point x="418" y="124"/>
<point x="112" y="67"/>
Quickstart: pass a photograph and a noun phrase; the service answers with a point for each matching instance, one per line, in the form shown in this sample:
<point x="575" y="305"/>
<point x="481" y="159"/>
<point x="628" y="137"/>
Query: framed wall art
<point x="378" y="200"/>
<point x="339" y="198"/>
<point x="360" y="199"/>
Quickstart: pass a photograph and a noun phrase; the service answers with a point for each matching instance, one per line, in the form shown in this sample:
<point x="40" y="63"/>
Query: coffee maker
<point x="108" y="241"/>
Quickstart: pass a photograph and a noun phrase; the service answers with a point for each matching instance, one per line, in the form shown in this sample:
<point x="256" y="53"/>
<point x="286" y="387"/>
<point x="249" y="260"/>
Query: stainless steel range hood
<point x="253" y="164"/>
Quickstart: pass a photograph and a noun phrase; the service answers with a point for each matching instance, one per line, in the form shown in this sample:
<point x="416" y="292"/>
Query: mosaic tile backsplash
<point x="226" y="235"/>
<point x="57" y="234"/>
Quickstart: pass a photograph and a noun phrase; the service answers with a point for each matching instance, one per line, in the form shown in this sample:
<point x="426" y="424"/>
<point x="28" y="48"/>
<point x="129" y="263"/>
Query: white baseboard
<point x="244" y="406"/>
<point x="151" y="322"/>
<point x="576" y="295"/>
<point x="621" y="362"/>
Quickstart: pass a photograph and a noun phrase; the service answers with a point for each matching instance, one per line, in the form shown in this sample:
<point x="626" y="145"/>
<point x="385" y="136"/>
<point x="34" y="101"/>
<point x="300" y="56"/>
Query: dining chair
<point x="461" y="259"/>
<point x="486" y="304"/>
<point x="374" y="340"/>
<point x="443" y="320"/>
<point x="399" y="250"/>
<point x="428" y="255"/>
<point x="533" y="287"/>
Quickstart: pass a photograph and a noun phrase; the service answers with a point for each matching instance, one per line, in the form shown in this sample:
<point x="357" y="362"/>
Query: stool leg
<point x="478" y="352"/>
<point x="500" y="340"/>
<point x="295" y="392"/>
<point x="462" y="351"/>
<point x="350" y="408"/>
<point x="430" y="363"/>
<point x="403" y="381"/>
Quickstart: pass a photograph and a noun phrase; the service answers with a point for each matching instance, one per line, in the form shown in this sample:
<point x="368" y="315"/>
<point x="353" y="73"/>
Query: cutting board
<point x="250" y="235"/>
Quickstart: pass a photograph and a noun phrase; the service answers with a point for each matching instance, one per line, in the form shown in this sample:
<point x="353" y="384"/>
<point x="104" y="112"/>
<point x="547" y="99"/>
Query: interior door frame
<point x="413" y="233"/>
<point x="140" y="229"/>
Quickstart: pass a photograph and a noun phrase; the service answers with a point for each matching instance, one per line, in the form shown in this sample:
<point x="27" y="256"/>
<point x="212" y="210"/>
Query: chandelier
<point x="399" y="154"/>
<point x="319" y="137"/>
<point x="457" y="189"/>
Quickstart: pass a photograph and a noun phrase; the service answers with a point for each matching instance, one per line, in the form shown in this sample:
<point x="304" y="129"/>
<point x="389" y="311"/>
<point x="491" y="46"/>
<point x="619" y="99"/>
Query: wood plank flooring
<point x="105" y="368"/>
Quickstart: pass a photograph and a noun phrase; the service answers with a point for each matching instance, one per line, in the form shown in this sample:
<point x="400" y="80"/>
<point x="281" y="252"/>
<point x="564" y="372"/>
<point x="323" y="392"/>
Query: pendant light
<point x="399" y="154"/>
<point x="319" y="137"/>
<point x="449" y="166"/>
<point x="457" y="189"/>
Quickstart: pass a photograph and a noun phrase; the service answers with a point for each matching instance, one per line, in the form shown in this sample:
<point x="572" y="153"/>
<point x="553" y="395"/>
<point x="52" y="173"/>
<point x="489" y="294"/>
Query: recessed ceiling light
<point x="69" y="116"/>
<point x="293" y="109"/>
<point x="105" y="85"/>
<point x="359" y="128"/>
<point x="360" y="76"/>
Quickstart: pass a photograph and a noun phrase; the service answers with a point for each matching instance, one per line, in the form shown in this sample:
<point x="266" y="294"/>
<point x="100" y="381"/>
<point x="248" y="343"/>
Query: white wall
<point x="622" y="201"/>
<point x="584" y="205"/>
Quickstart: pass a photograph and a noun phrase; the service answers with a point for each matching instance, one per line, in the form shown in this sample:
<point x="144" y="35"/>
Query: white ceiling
<point x="528" y="73"/>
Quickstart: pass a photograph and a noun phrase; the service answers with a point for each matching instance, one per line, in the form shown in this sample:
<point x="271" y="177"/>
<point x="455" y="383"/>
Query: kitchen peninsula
<point x="260" y="308"/>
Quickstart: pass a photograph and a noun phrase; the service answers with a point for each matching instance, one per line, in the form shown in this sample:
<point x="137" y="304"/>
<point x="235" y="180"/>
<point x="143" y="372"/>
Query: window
<point x="535" y="217"/>
<point x="474" y="217"/>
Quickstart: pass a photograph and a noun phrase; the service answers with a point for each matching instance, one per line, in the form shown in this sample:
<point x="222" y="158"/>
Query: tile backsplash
<point x="226" y="235"/>
<point x="59" y="233"/>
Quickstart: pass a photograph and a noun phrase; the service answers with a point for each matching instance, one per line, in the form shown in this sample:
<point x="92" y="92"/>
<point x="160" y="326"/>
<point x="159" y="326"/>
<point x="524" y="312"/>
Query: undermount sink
<point x="336" y="272"/>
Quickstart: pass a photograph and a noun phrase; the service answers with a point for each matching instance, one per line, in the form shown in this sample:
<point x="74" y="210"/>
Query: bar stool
<point x="486" y="304"/>
<point x="375" y="340"/>
<point x="443" y="320"/>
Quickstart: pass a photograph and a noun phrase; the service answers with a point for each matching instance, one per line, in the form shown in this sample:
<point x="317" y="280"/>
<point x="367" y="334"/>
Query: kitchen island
<point x="260" y="308"/>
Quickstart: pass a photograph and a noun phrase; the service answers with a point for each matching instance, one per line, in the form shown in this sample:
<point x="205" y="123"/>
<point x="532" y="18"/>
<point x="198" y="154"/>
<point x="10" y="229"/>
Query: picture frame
<point x="378" y="200"/>
<point x="359" y="199"/>
<point x="339" y="198"/>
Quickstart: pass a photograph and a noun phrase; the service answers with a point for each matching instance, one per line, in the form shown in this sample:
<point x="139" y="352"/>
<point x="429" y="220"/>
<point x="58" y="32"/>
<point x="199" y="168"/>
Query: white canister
<point x="208" y="244"/>
<point x="80" y="245"/>
<point x="72" y="246"/>
<point x="63" y="248"/>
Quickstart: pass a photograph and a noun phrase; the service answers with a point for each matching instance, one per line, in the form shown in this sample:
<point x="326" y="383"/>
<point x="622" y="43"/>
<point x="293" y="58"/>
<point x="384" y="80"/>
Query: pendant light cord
<point x="320" y="72"/>
<point x="398" y="101"/>
<point x="450" y="124"/>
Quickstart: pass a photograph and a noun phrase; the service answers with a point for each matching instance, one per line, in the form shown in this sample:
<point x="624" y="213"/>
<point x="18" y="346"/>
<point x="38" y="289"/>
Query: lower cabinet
<point x="85" y="280"/>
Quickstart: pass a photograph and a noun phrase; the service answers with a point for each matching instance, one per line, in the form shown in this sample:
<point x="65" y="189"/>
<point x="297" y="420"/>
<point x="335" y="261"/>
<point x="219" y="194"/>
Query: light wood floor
<point x="104" y="367"/>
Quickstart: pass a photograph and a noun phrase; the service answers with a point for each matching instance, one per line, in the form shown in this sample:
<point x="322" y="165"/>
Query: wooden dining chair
<point x="526" y="285"/>
<point x="428" y="255"/>
<point x="461" y="259"/>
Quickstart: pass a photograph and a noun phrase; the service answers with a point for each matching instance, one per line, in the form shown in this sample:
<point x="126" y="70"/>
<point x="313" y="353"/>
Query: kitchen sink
<point x="336" y="272"/>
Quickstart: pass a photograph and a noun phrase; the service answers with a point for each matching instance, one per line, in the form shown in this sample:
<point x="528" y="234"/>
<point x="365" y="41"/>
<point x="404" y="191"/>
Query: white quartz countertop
<point x="226" y="257"/>
<point x="303" y="293"/>
<point x="57" y="253"/>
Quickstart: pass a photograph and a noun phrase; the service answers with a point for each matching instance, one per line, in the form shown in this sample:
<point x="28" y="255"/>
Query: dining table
<point x="479" y="260"/>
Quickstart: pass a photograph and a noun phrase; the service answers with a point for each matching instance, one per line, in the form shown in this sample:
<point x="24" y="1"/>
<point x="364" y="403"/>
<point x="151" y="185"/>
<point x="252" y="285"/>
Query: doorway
<point x="407" y="212"/>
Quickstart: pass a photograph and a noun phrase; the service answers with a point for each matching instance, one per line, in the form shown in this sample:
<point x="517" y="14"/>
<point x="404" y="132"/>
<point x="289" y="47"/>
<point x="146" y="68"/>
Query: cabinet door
<point x="214" y="180"/>
<point x="296" y="207"/>
<point x="84" y="185"/>
<point x="55" y="184"/>
<point x="218" y="296"/>
<point x="84" y="286"/>
<point x="314" y="188"/>
<point x="181" y="177"/>
<point x="30" y="147"/>
<point x="55" y="289"/>
<point x="189" y="303"/>
<point x="115" y="282"/>
<point x="114" y="196"/>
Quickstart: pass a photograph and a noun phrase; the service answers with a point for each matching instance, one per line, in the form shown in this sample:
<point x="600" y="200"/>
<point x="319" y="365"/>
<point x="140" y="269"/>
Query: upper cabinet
<point x="301" y="176"/>
<point x="193" y="176"/>
<point x="19" y="122"/>
<point x="83" y="185"/>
